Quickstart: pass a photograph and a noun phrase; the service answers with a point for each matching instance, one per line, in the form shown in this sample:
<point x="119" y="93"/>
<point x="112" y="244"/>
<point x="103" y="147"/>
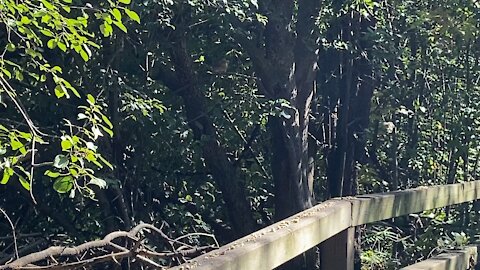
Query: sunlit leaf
<point x="107" y="121"/>
<point x="63" y="184"/>
<point x="66" y="145"/>
<point x="52" y="174"/>
<point x="61" y="161"/>
<point x="120" y="25"/>
<point x="90" y="99"/>
<point x="116" y="14"/>
<point x="25" y="184"/>
<point x="98" y="182"/>
<point x="7" y="173"/>
<point x="132" y="15"/>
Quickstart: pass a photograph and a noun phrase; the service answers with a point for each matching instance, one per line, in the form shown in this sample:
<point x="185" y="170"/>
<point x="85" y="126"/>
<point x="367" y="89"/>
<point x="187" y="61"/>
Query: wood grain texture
<point x="282" y="241"/>
<point x="454" y="260"/>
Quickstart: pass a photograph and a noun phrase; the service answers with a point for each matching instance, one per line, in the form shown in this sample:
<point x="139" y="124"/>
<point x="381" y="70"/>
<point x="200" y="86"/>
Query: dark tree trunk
<point x="285" y="64"/>
<point x="112" y="201"/>
<point x="347" y="104"/>
<point x="183" y="81"/>
<point x="286" y="68"/>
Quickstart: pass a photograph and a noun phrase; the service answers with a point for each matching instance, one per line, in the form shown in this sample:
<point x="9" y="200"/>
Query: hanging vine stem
<point x="32" y="168"/>
<point x="35" y="131"/>
<point x="13" y="232"/>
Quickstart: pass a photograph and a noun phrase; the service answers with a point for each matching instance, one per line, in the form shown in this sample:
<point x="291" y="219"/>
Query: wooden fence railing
<point x="465" y="259"/>
<point x="330" y="224"/>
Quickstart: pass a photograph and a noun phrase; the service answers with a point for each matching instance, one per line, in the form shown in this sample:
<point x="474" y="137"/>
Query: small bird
<point x="221" y="66"/>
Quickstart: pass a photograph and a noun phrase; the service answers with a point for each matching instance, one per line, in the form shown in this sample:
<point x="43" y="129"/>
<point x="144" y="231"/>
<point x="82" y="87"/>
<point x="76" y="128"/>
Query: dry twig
<point x="59" y="257"/>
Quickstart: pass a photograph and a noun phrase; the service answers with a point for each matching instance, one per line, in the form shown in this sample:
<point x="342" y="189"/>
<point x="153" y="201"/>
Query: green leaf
<point x="106" y="29"/>
<point x="200" y="59"/>
<point x="46" y="18"/>
<point x="59" y="91"/>
<point x="126" y="2"/>
<point x="105" y="162"/>
<point x="18" y="75"/>
<point x="96" y="132"/>
<point x="120" y="25"/>
<point x="25" y="135"/>
<point x="91" y="99"/>
<point x="66" y="145"/>
<point x="11" y="47"/>
<point x="132" y="15"/>
<point x="98" y="182"/>
<point x="15" y="143"/>
<point x="75" y="92"/>
<point x="73" y="172"/>
<point x="97" y="163"/>
<point x="48" y="5"/>
<point x="7" y="172"/>
<point x="52" y="174"/>
<point x="82" y="116"/>
<point x="57" y="69"/>
<point x="6" y="72"/>
<point x="46" y="32"/>
<point x="91" y="156"/>
<point x="23" y="151"/>
<point x="62" y="46"/>
<point x="52" y="44"/>
<point x="107" y="121"/>
<point x="75" y="139"/>
<point x="107" y="130"/>
<point x="84" y="55"/>
<point x="116" y="14"/>
<point x="25" y="20"/>
<point x="25" y="183"/>
<point x="63" y="184"/>
<point x="60" y="161"/>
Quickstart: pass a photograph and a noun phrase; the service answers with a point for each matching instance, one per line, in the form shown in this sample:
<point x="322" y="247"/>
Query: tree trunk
<point x="348" y="104"/>
<point x="183" y="81"/>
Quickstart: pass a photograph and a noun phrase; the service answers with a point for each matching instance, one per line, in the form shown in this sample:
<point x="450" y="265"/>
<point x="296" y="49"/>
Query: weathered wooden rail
<point x="465" y="258"/>
<point x="330" y="224"/>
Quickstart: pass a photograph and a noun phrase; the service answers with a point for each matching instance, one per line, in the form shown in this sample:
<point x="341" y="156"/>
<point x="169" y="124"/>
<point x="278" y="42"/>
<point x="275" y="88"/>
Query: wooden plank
<point x="280" y="242"/>
<point x="336" y="253"/>
<point x="376" y="207"/>
<point x="276" y="244"/>
<point x="453" y="260"/>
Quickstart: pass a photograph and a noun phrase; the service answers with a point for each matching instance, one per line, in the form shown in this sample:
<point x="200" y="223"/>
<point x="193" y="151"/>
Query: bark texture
<point x="348" y="85"/>
<point x="184" y="82"/>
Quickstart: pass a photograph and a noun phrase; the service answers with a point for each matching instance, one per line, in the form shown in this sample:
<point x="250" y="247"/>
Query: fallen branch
<point x="60" y="257"/>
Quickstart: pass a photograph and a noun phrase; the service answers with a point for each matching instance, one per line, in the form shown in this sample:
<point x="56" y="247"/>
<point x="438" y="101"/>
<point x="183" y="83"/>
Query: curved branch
<point x="61" y="251"/>
<point x="13" y="231"/>
<point x="137" y="250"/>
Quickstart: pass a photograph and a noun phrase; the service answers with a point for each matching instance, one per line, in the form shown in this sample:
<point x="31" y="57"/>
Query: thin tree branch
<point x="136" y="251"/>
<point x="13" y="231"/>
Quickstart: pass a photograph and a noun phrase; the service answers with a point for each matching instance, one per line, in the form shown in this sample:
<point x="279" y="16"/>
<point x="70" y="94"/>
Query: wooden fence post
<point x="337" y="252"/>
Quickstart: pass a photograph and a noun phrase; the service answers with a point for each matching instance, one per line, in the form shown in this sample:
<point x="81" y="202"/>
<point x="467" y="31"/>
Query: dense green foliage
<point x="192" y="114"/>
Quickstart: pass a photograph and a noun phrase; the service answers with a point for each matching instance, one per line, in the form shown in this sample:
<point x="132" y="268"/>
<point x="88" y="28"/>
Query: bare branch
<point x="13" y="231"/>
<point x="136" y="251"/>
